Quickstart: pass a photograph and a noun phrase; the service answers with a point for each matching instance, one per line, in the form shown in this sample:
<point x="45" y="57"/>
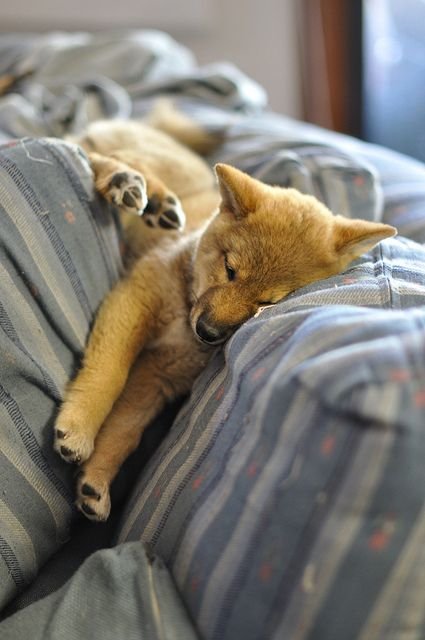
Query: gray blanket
<point x="68" y="80"/>
<point x="124" y="592"/>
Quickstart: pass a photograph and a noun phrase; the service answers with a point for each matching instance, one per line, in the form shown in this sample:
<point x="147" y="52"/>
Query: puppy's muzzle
<point x="210" y="333"/>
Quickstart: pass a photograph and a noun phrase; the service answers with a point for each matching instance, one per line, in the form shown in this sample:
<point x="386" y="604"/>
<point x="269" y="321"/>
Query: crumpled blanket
<point x="66" y="80"/>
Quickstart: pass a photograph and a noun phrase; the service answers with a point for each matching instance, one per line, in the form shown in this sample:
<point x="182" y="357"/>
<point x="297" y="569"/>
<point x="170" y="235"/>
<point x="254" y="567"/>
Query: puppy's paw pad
<point x="93" y="499"/>
<point x="88" y="511"/>
<point x="166" y="213"/>
<point x="72" y="447"/>
<point x="127" y="190"/>
<point x="88" y="490"/>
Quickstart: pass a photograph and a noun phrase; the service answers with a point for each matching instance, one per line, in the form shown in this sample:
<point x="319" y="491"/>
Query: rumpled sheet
<point x="124" y="592"/>
<point x="68" y="80"/>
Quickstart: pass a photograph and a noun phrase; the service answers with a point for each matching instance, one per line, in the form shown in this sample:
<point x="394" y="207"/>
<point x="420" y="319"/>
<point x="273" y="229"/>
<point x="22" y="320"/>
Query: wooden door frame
<point x="331" y="44"/>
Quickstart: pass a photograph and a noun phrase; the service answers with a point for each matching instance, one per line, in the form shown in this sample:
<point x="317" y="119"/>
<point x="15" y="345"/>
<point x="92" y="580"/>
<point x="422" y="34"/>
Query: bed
<point x="285" y="497"/>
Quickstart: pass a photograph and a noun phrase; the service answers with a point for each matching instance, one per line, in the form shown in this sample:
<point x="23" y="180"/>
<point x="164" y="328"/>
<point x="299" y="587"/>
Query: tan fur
<point x="6" y="82"/>
<point x="165" y="144"/>
<point x="158" y="328"/>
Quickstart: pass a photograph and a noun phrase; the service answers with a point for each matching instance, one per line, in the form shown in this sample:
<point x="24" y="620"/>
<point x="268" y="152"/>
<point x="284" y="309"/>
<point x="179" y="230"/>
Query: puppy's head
<point x="264" y="243"/>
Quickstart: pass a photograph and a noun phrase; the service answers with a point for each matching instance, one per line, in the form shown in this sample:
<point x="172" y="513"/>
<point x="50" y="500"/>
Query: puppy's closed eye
<point x="231" y="273"/>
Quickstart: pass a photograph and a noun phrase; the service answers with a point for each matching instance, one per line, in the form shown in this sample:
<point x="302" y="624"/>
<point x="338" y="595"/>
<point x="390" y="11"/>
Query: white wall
<point x="259" y="36"/>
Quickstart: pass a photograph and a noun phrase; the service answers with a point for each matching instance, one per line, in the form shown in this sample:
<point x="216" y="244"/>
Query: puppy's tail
<point x="167" y="118"/>
<point x="8" y="80"/>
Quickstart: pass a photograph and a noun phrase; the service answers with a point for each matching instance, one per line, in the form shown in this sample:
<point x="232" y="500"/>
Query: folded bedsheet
<point x="287" y="501"/>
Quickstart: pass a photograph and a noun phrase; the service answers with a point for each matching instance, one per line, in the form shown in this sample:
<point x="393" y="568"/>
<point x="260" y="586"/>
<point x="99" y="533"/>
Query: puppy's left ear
<point x="354" y="237"/>
<point x="239" y="192"/>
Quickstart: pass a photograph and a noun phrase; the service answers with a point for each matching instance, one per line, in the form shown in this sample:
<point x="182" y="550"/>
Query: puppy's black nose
<point x="208" y="333"/>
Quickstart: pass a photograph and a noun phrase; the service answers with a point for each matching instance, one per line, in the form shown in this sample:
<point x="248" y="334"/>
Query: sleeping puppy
<point x="154" y="169"/>
<point x="187" y="292"/>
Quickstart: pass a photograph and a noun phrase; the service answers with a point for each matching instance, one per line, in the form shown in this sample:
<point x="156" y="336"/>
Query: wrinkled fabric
<point x="59" y="257"/>
<point x="66" y="81"/>
<point x="125" y="592"/>
<point x="288" y="498"/>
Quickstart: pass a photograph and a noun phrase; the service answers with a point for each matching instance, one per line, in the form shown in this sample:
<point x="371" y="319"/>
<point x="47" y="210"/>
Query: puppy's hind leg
<point x="119" y="184"/>
<point x="163" y="210"/>
<point x="126" y="182"/>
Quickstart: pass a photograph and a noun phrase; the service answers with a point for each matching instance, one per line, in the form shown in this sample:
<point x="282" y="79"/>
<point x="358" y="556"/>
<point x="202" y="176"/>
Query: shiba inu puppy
<point x="188" y="292"/>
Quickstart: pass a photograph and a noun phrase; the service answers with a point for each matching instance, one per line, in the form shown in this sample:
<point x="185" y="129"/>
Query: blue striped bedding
<point x="293" y="478"/>
<point x="50" y="286"/>
<point x="287" y="499"/>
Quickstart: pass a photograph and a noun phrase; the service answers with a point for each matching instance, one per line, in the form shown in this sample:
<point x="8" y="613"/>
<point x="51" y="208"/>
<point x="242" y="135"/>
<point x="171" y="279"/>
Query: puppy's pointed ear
<point x="239" y="192"/>
<point x="354" y="237"/>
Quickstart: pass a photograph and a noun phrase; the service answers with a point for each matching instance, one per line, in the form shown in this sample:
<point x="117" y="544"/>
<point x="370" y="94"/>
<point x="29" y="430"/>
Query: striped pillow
<point x="59" y="257"/>
<point x="287" y="500"/>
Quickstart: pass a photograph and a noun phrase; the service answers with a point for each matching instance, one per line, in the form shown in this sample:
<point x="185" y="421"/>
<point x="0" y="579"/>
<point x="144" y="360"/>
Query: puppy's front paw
<point x="93" y="499"/>
<point x="165" y="212"/>
<point x="127" y="190"/>
<point x="73" y="446"/>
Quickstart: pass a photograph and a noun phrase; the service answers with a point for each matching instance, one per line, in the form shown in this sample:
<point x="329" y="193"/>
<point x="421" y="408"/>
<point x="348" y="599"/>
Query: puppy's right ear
<point x="239" y="192"/>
